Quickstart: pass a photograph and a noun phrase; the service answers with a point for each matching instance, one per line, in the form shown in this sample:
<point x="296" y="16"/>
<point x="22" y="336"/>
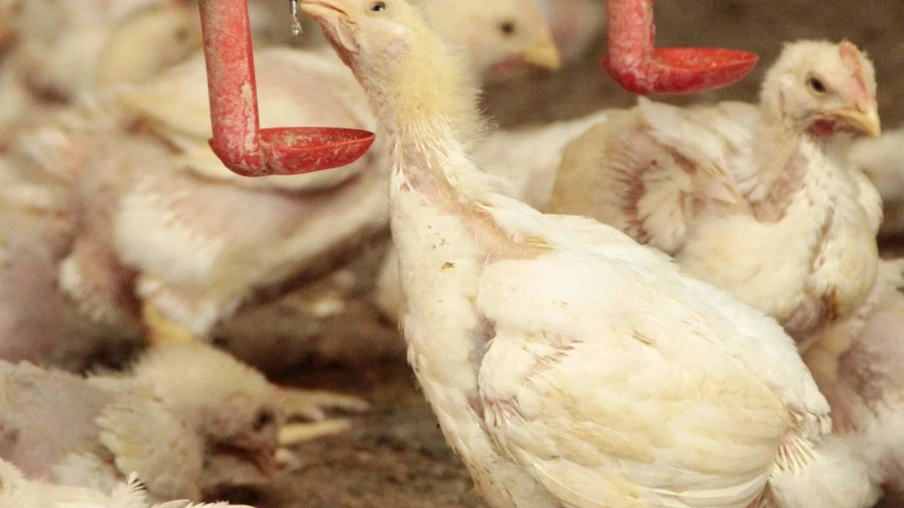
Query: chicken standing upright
<point x="567" y="365"/>
<point x="757" y="201"/>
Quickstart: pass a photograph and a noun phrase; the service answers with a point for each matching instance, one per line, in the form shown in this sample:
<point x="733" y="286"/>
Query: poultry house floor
<point x="394" y="457"/>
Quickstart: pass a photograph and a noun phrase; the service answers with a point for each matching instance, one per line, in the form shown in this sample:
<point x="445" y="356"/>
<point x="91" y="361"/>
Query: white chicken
<point x="188" y="418"/>
<point x="754" y="200"/>
<point x="567" y="365"/>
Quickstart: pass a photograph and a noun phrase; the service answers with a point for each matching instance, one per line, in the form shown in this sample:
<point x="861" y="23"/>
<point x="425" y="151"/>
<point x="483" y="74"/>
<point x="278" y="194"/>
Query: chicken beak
<point x="544" y="56"/>
<point x="335" y="20"/>
<point x="862" y="118"/>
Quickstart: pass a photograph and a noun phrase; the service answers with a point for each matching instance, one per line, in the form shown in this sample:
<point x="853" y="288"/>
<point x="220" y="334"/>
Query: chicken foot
<point x="162" y="330"/>
<point x="310" y="405"/>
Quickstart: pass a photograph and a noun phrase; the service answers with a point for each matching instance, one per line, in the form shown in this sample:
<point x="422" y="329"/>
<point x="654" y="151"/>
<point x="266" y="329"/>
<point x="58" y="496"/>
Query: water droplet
<point x="296" y="24"/>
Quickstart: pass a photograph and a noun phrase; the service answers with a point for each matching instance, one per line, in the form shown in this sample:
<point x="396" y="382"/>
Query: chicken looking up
<point x="17" y="492"/>
<point x="567" y="365"/>
<point x="752" y="200"/>
<point x="882" y="160"/>
<point x="864" y="387"/>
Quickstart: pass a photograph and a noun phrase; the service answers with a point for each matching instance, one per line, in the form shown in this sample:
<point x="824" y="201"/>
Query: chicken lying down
<point x="754" y="200"/>
<point x="17" y="492"/>
<point x="882" y="160"/>
<point x="567" y="364"/>
<point x="526" y="158"/>
<point x="858" y="366"/>
<point x="189" y="419"/>
<point x="66" y="48"/>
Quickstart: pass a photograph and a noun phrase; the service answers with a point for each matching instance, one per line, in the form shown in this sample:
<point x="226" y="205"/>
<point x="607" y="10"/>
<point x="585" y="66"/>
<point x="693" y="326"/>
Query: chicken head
<point x="231" y="405"/>
<point x="500" y="37"/>
<point x="823" y="88"/>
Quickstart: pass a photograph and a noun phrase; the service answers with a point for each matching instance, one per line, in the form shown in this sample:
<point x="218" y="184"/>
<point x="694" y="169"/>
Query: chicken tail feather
<point x="829" y="475"/>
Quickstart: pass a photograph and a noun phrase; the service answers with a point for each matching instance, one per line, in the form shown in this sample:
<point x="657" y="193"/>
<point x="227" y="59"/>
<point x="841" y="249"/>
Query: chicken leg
<point x="310" y="405"/>
<point x="160" y="329"/>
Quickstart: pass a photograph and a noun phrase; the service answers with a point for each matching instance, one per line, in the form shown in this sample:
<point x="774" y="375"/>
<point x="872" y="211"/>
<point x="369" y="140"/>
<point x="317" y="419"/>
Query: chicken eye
<point x="507" y="27"/>
<point x="263" y="419"/>
<point x="816" y="85"/>
<point x="377" y="6"/>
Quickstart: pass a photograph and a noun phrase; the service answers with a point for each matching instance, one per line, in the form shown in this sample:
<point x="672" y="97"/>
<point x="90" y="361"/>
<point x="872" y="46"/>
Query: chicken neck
<point x="789" y="163"/>
<point x="429" y="116"/>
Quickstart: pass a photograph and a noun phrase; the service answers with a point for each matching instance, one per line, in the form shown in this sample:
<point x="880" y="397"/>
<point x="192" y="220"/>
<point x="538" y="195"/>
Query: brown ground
<point x="396" y="457"/>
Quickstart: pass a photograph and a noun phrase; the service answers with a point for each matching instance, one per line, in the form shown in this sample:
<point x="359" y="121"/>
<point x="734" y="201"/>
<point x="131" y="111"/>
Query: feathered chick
<point x="759" y="200"/>
<point x="567" y="365"/>
<point x="18" y="492"/>
<point x="63" y="428"/>
<point x="187" y="418"/>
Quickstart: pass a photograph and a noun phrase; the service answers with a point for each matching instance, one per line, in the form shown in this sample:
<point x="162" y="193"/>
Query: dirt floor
<point x="396" y="456"/>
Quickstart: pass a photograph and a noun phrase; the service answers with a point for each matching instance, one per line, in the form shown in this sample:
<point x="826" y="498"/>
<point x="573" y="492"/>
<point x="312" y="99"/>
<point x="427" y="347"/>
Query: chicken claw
<point x="296" y="433"/>
<point x="310" y="404"/>
<point x="163" y="330"/>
